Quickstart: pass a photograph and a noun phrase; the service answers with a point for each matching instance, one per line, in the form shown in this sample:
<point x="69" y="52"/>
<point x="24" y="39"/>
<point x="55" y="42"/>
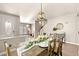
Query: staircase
<point x="38" y="28"/>
<point x="41" y="28"/>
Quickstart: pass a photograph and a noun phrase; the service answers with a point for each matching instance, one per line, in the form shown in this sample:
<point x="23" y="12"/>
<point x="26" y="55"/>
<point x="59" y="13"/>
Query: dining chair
<point x="7" y="49"/>
<point x="50" y="49"/>
<point x="55" y="47"/>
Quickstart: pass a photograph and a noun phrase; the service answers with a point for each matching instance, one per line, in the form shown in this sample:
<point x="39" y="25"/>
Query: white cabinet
<point x="9" y="24"/>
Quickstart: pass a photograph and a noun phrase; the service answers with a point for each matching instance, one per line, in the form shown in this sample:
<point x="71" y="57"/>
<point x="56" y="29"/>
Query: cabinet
<point x="9" y="24"/>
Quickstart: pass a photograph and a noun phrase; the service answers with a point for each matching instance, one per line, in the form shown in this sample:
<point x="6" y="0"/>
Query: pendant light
<point x="41" y="17"/>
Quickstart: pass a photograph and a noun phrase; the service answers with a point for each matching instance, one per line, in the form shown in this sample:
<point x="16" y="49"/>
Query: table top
<point x="35" y="51"/>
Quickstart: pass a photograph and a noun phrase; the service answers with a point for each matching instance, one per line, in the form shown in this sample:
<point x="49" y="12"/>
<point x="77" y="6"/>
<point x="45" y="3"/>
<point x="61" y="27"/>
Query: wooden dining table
<point x="36" y="51"/>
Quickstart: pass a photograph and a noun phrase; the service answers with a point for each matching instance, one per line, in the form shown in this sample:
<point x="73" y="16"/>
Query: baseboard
<point x="3" y="53"/>
<point x="72" y="43"/>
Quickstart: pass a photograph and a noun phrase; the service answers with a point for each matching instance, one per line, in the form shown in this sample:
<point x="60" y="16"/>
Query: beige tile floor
<point x="68" y="50"/>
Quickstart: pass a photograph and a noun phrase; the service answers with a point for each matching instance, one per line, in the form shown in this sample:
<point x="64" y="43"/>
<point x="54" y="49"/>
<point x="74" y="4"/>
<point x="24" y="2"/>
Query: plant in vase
<point x="40" y="39"/>
<point x="43" y="38"/>
<point x="29" y="45"/>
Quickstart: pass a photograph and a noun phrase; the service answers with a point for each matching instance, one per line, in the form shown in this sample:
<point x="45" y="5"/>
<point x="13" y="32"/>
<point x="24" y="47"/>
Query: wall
<point x="69" y="21"/>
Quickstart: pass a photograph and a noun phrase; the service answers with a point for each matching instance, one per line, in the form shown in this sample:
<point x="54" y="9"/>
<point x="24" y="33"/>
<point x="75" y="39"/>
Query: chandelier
<point x="41" y="17"/>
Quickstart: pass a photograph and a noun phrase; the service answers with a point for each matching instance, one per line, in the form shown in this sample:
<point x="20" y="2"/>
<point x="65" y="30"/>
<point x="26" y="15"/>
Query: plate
<point x="43" y="44"/>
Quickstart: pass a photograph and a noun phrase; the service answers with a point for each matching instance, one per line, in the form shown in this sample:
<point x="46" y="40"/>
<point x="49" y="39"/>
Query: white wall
<point x="69" y="21"/>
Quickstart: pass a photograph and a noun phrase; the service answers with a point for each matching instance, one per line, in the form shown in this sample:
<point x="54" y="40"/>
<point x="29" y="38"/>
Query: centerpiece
<point x="39" y="39"/>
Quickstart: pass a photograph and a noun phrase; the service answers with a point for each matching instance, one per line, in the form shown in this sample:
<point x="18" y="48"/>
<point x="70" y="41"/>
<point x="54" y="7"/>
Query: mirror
<point x="59" y="26"/>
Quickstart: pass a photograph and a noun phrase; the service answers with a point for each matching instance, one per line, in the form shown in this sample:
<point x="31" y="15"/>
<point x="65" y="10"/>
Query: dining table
<point x="38" y="49"/>
<point x="35" y="46"/>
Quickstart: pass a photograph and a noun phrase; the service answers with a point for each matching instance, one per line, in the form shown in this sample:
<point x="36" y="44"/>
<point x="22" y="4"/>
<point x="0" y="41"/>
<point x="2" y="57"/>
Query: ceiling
<point x="29" y="10"/>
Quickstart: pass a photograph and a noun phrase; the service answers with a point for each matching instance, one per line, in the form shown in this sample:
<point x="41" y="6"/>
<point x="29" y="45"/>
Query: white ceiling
<point x="29" y="10"/>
